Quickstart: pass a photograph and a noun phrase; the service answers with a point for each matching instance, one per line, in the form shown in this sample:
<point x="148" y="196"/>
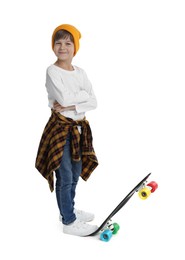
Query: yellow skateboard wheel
<point x="144" y="193"/>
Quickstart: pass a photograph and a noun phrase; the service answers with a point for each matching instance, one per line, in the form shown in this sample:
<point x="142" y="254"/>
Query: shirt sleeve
<point x="58" y="92"/>
<point x="91" y="103"/>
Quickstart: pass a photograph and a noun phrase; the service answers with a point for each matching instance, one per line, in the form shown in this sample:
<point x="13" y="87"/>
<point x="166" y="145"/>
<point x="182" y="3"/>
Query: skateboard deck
<point x="107" y="228"/>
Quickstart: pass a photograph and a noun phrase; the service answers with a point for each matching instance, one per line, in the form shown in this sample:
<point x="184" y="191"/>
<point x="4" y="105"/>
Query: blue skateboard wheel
<point x="106" y="235"/>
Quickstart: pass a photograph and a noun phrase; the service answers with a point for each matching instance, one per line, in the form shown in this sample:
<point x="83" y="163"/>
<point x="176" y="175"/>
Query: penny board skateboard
<point x="108" y="228"/>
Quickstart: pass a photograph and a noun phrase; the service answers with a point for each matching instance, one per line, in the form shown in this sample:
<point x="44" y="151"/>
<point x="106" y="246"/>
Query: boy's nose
<point x="62" y="46"/>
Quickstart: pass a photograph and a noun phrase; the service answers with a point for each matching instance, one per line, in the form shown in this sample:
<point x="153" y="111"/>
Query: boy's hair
<point x="63" y="34"/>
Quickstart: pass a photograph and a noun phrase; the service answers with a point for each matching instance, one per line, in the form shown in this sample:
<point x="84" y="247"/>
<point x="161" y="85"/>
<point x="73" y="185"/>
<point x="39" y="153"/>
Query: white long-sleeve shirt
<point x="70" y="88"/>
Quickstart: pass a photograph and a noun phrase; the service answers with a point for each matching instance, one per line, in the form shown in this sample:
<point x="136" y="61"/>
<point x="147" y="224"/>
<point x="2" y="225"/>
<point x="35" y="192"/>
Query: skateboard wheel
<point x="116" y="228"/>
<point x="144" y="193"/>
<point x="153" y="185"/>
<point x="106" y="235"/>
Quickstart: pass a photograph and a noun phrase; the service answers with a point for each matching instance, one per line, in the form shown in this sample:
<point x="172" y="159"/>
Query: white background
<point x="133" y="52"/>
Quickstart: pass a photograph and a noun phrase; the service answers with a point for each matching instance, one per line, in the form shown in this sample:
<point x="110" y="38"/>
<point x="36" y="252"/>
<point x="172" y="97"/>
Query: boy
<point x="66" y="144"/>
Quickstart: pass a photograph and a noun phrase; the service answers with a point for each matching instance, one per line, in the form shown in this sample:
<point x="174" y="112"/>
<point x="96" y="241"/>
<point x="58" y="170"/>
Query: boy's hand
<point x="57" y="107"/>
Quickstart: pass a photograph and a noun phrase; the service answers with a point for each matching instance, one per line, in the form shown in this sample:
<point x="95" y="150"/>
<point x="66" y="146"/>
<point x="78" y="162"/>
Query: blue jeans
<point x="67" y="177"/>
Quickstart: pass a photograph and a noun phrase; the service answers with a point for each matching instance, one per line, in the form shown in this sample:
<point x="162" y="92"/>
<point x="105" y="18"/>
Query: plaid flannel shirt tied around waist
<point x="52" y="144"/>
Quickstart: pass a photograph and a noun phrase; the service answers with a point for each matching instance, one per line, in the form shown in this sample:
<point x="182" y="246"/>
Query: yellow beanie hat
<point x="75" y="33"/>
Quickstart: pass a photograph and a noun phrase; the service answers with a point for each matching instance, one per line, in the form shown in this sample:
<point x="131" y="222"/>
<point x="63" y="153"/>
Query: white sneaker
<point x="79" y="228"/>
<point x="84" y="216"/>
<point x="81" y="215"/>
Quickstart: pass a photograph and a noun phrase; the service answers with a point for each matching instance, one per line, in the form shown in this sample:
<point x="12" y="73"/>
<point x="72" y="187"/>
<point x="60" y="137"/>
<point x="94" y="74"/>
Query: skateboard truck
<point x="146" y="190"/>
<point x="109" y="229"/>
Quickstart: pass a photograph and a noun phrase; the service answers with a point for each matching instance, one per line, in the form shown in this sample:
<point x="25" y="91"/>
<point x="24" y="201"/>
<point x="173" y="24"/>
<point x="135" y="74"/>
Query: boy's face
<point x="64" y="49"/>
